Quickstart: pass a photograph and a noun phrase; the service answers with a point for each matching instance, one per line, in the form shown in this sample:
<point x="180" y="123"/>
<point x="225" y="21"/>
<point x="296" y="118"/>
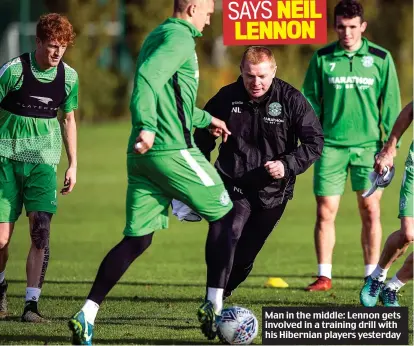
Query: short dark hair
<point x="349" y="9"/>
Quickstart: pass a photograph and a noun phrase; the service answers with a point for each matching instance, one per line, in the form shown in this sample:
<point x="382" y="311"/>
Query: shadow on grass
<point x="178" y="284"/>
<point x="137" y="299"/>
<point x="45" y="340"/>
<point x="154" y="318"/>
<point x="306" y="276"/>
<point x="121" y="283"/>
<point x="143" y="341"/>
<point x="157" y="321"/>
<point x="269" y="301"/>
<point x="301" y="288"/>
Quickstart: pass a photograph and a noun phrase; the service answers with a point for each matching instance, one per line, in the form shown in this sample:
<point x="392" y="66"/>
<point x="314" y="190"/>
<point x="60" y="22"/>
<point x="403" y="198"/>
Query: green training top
<point x="354" y="95"/>
<point x="30" y="139"/>
<point x="165" y="87"/>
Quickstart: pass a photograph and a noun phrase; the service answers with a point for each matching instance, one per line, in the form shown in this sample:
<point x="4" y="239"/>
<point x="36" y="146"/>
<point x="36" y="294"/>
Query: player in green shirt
<point x="353" y="87"/>
<point x="398" y="242"/>
<point x="33" y="87"/>
<point x="163" y="163"/>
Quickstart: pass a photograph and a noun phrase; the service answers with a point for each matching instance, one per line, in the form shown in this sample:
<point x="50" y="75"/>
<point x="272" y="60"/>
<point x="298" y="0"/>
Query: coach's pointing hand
<point x="218" y="128"/>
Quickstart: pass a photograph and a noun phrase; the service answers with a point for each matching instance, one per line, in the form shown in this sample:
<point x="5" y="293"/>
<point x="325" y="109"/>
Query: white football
<point x="237" y="326"/>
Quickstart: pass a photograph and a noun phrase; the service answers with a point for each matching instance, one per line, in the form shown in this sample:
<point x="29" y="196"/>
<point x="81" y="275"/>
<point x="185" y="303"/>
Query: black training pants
<point x="254" y="228"/>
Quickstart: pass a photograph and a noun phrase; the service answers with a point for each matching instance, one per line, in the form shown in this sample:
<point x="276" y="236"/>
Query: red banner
<point x="271" y="22"/>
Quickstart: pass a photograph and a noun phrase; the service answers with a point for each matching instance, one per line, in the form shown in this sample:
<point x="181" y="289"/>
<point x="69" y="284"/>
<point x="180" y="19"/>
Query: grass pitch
<point x="156" y="300"/>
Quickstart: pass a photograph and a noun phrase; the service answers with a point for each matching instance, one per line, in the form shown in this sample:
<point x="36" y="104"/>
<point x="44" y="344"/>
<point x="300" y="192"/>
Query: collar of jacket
<point x="363" y="50"/>
<point x="268" y="95"/>
<point x="191" y="27"/>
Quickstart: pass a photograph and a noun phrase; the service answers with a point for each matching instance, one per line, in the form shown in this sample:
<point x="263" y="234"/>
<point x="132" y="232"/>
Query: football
<point x="237" y="326"/>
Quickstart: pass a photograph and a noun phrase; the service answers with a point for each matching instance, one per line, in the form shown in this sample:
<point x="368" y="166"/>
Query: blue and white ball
<point x="237" y="326"/>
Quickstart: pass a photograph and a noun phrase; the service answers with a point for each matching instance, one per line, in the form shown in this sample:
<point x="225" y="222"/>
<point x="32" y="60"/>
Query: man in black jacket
<point x="261" y="159"/>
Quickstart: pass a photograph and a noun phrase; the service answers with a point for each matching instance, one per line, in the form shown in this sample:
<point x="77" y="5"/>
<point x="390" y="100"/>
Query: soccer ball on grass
<point x="237" y="326"/>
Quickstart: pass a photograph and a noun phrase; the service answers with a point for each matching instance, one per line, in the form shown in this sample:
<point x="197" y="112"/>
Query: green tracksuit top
<point x="165" y="88"/>
<point x="353" y="95"/>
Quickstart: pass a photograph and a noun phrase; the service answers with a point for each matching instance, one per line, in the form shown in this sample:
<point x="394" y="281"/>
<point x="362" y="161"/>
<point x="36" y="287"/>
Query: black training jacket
<point x="261" y="132"/>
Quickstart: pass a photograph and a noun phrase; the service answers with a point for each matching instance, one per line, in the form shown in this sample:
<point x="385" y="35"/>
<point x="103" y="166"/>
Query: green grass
<point x="156" y="300"/>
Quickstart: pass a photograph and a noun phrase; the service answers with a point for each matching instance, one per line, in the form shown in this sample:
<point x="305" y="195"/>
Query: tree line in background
<point x="106" y="63"/>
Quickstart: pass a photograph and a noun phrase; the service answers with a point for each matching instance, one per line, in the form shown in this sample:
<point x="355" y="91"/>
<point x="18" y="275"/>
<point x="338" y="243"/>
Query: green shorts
<point x="154" y="180"/>
<point x="30" y="184"/>
<point x="406" y="192"/>
<point x="331" y="170"/>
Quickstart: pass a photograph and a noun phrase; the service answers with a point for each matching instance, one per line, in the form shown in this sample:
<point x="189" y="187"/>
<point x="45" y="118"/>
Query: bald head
<point x="181" y="5"/>
<point x="196" y="12"/>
